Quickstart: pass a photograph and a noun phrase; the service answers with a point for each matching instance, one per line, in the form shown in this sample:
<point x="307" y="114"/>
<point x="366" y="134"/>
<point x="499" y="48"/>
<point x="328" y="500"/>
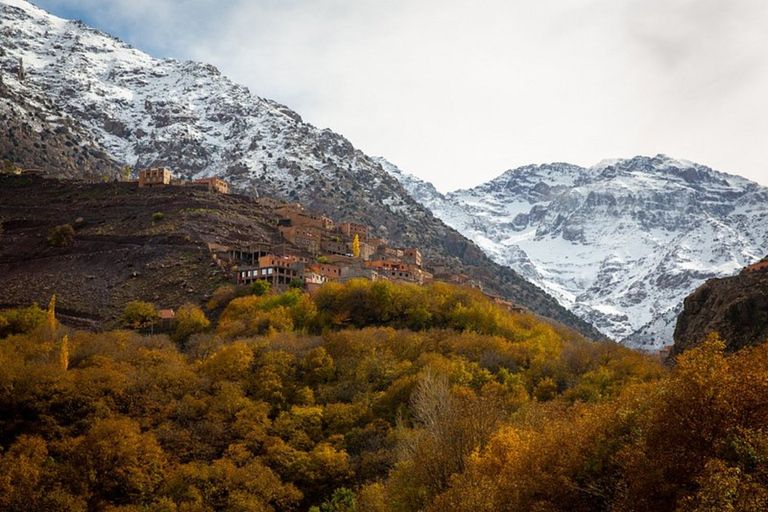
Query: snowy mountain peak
<point x="620" y="243"/>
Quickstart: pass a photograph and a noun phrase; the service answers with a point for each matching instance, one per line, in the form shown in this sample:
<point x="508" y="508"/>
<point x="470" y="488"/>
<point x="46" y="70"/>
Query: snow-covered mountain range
<point x="620" y="244"/>
<point x="144" y="112"/>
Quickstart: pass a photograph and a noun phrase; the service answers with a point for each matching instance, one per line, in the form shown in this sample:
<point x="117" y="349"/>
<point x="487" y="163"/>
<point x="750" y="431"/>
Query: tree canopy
<point x="371" y="396"/>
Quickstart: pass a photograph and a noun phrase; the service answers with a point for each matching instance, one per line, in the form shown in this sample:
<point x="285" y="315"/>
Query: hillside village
<point x="315" y="249"/>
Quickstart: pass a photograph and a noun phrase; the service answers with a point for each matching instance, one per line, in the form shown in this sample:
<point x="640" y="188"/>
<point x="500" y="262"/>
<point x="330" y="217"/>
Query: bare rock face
<point x="736" y="308"/>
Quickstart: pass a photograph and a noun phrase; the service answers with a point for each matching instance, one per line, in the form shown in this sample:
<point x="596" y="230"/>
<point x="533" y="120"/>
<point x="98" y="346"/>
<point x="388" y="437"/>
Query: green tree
<point x="259" y="288"/>
<point x="21" y="320"/>
<point x="139" y="314"/>
<point x="343" y="500"/>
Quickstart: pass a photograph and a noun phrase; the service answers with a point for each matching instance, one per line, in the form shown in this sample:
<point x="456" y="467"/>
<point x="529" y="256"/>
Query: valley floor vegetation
<point x="371" y="397"/>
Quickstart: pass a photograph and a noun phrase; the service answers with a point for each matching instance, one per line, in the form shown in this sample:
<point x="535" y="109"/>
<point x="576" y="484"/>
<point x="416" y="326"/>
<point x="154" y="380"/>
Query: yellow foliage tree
<point x="189" y="319"/>
<point x="356" y="247"/>
<point x="52" y="312"/>
<point x="64" y="353"/>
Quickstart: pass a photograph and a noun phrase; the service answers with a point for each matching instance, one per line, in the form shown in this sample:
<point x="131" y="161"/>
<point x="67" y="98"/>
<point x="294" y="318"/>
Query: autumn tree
<point x="117" y="464"/>
<point x="189" y="319"/>
<point x="51" y="313"/>
<point x="356" y="247"/>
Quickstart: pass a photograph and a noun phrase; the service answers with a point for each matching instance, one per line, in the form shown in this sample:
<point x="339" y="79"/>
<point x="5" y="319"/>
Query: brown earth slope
<point x="121" y="251"/>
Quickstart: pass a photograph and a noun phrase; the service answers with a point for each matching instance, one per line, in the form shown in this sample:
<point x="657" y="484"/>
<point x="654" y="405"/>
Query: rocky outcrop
<point x="736" y="308"/>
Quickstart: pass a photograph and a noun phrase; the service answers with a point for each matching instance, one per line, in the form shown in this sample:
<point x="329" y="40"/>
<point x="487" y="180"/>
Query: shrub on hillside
<point x="61" y="236"/>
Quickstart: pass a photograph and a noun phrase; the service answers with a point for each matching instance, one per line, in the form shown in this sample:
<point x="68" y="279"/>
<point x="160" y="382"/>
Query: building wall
<point x="355" y="272"/>
<point x="334" y="247"/>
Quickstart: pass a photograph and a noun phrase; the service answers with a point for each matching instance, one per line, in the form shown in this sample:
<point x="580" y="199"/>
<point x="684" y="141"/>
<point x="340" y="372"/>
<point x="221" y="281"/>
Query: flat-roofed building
<point x="214" y="184"/>
<point x="154" y="177"/>
<point x="277" y="270"/>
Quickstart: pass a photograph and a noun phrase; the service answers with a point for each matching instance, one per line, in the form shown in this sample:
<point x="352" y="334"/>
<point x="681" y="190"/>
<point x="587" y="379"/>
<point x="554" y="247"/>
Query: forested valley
<point x="369" y="397"/>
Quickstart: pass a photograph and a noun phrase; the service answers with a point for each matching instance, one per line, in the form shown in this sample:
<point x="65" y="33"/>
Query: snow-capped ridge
<point x="620" y="243"/>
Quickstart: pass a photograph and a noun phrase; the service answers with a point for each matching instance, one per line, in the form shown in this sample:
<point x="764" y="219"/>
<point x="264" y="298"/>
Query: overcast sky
<point x="456" y="92"/>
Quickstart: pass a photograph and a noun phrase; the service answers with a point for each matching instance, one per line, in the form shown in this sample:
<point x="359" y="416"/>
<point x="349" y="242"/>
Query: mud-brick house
<point x="759" y="266"/>
<point x="386" y="253"/>
<point x="214" y="185"/>
<point x="286" y="209"/>
<point x="330" y="272"/>
<point x="166" y="317"/>
<point x="306" y="237"/>
<point x="412" y="256"/>
<point x="300" y="217"/>
<point x="350" y="229"/>
<point x="331" y="246"/>
<point x="155" y="177"/>
<point x="395" y="270"/>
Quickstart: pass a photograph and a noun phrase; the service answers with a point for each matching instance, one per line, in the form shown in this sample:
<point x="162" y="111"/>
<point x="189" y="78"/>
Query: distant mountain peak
<point x="620" y="243"/>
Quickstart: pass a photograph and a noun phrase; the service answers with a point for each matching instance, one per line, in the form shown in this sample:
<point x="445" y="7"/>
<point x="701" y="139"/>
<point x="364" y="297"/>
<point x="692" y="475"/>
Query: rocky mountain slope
<point x="736" y="308"/>
<point x="620" y="244"/>
<point x="35" y="134"/>
<point x="187" y="116"/>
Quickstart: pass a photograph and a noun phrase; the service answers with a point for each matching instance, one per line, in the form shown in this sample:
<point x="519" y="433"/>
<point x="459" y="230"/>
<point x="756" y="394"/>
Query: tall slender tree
<point x="52" y="312"/>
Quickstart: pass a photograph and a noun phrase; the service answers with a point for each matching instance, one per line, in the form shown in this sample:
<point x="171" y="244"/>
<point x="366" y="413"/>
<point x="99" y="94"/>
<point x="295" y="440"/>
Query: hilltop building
<point x="162" y="176"/>
<point x="214" y="184"/>
<point x="155" y="177"/>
